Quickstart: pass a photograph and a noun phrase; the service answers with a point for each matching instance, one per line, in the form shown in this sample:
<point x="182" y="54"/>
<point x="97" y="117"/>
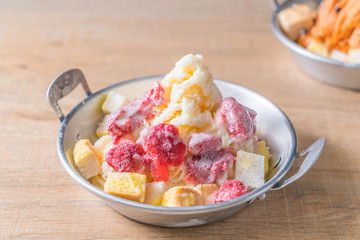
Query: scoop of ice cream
<point x="192" y="94"/>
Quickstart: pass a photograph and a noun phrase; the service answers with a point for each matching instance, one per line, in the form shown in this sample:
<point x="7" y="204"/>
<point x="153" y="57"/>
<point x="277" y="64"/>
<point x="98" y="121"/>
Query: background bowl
<point x="325" y="69"/>
<point x="272" y="125"/>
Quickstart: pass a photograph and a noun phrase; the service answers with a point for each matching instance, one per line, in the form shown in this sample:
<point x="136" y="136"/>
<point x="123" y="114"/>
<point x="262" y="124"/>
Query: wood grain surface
<point x="111" y="41"/>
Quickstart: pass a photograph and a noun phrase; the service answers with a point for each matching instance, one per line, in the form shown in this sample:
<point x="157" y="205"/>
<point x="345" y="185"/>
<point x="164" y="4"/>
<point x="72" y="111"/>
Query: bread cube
<point x="130" y="186"/>
<point x="249" y="169"/>
<point x="85" y="159"/>
<point x="339" y="55"/>
<point x="113" y="102"/>
<point x="155" y="191"/>
<point x="261" y="149"/>
<point x="102" y="130"/>
<point x="97" y="181"/>
<point x="102" y="146"/>
<point x="318" y="48"/>
<point x="354" y="55"/>
<point x="294" y="19"/>
<point x="205" y="190"/>
<point x="181" y="196"/>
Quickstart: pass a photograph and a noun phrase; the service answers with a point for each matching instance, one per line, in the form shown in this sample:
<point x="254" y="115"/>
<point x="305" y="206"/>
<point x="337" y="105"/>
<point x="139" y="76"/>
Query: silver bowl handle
<point x="62" y="85"/>
<point x="275" y="4"/>
<point x="313" y="152"/>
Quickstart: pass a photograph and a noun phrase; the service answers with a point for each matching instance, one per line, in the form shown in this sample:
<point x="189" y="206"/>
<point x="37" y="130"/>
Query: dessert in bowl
<point x="177" y="155"/>
<point x="322" y="37"/>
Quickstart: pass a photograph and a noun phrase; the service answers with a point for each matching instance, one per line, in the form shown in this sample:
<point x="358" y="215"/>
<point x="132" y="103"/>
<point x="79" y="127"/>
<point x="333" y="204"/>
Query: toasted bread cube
<point x="261" y="149"/>
<point x="85" y="159"/>
<point x="249" y="169"/>
<point x="155" y="191"/>
<point x="354" y="55"/>
<point x="130" y="186"/>
<point x="294" y="19"/>
<point x="181" y="196"/>
<point x="113" y="102"/>
<point x="318" y="48"/>
<point x="97" y="181"/>
<point x="205" y="190"/>
<point x="102" y="130"/>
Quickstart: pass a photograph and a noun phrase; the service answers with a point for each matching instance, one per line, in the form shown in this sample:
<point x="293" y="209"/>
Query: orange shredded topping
<point x="337" y="25"/>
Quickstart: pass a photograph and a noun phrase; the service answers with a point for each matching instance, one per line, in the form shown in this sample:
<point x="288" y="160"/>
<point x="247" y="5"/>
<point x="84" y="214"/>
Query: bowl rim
<point x="293" y="46"/>
<point x="247" y="198"/>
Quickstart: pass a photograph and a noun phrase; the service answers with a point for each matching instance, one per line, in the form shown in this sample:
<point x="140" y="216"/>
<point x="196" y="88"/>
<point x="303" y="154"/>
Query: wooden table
<point x="112" y="41"/>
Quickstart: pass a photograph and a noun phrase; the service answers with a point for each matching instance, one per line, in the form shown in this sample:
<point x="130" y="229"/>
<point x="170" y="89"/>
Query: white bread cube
<point x="113" y="102"/>
<point x="339" y="55"/>
<point x="249" y="169"/>
<point x="130" y="186"/>
<point x="294" y="19"/>
<point x="154" y="192"/>
<point x="102" y="146"/>
<point x="102" y="130"/>
<point x="85" y="159"/>
<point x="354" y="55"/>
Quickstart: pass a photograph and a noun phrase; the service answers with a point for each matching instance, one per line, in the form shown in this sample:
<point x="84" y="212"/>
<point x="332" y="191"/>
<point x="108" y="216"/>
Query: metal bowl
<point x="325" y="69"/>
<point x="272" y="124"/>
